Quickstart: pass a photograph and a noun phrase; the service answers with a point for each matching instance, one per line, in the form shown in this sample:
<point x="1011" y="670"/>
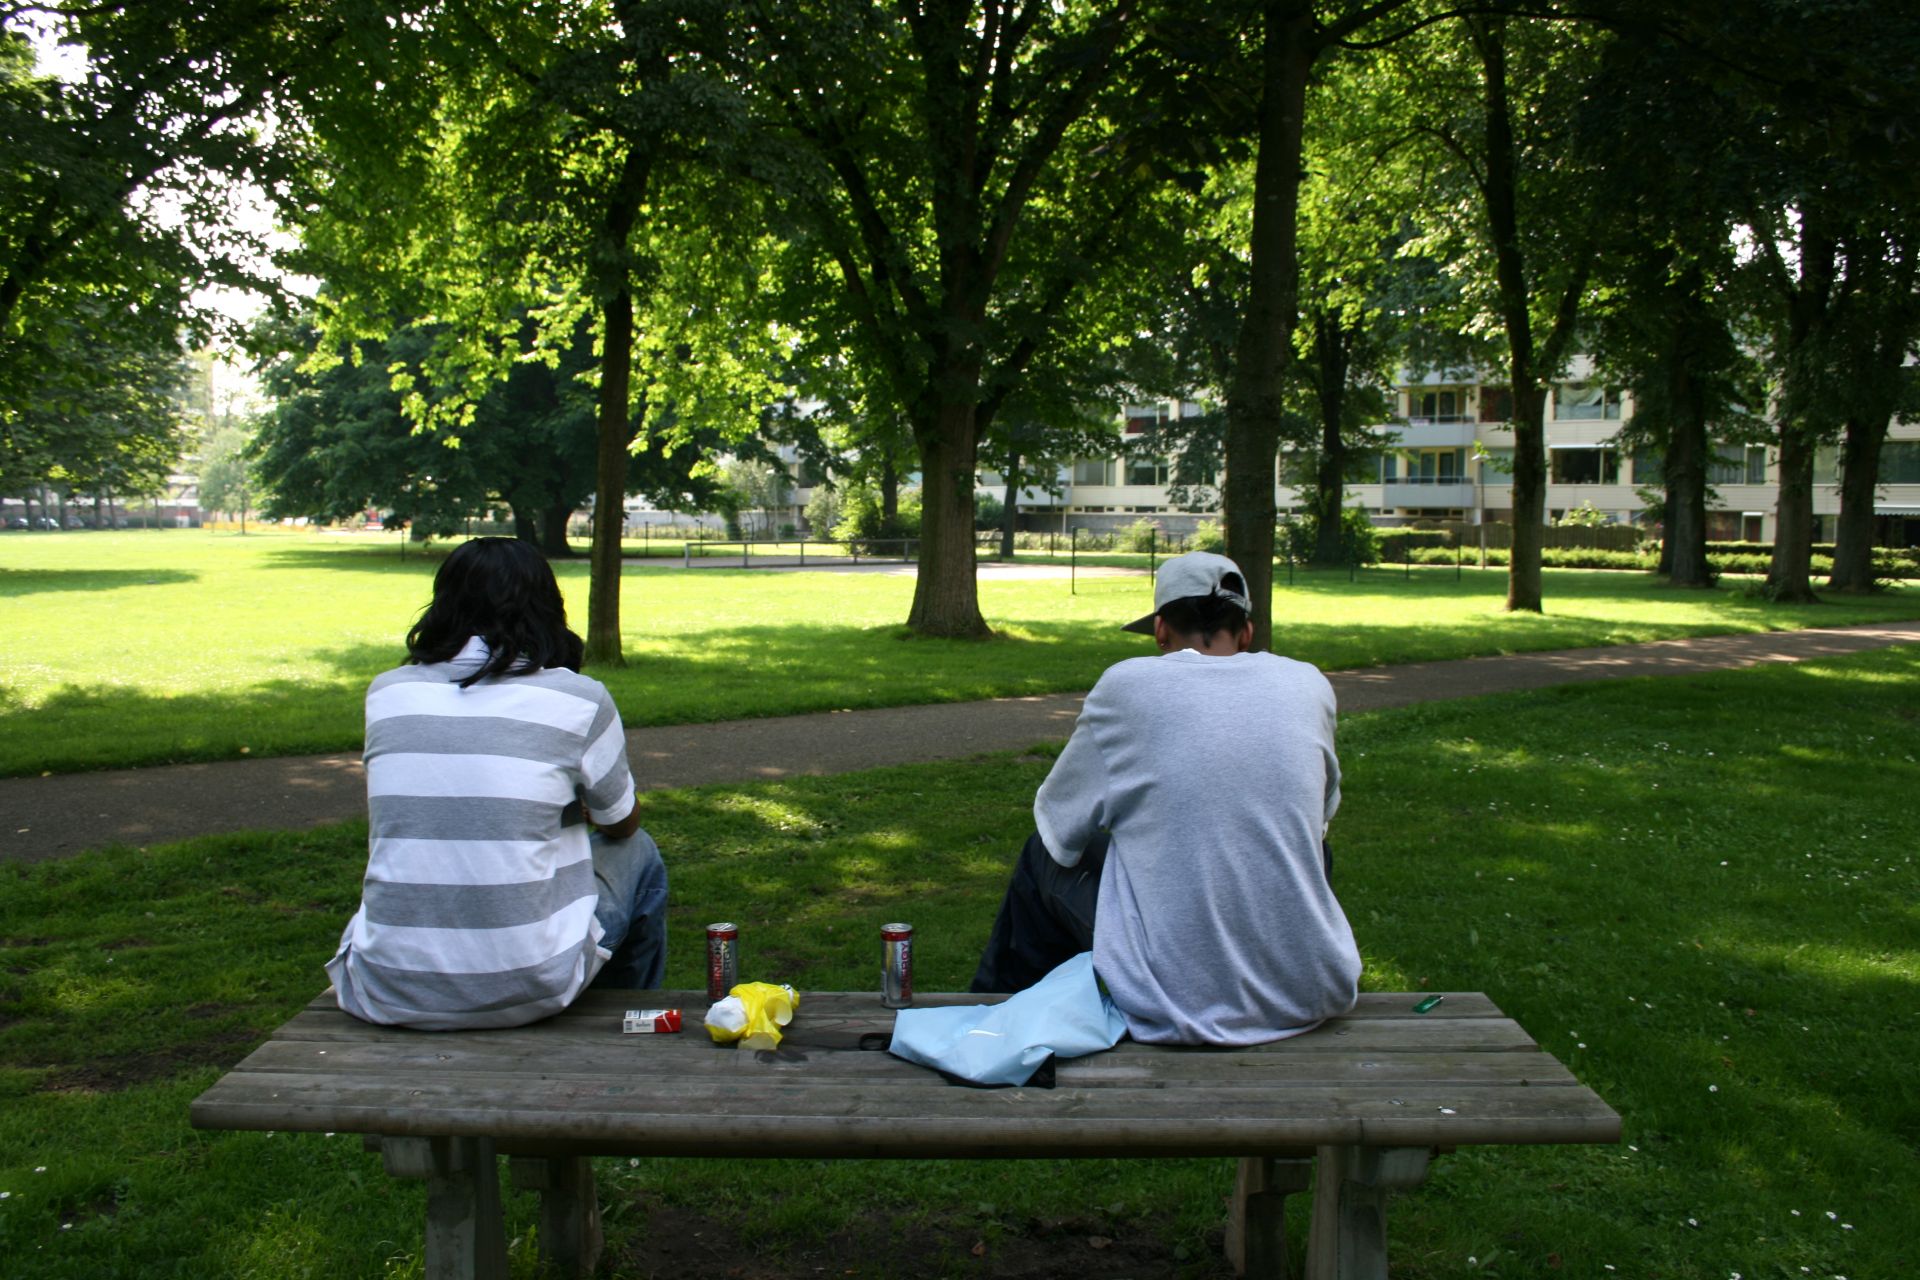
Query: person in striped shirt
<point x="486" y="902"/>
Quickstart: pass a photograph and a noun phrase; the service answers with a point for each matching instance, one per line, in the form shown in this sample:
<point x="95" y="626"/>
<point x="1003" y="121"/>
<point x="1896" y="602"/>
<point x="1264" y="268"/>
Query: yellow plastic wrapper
<point x="752" y="1014"/>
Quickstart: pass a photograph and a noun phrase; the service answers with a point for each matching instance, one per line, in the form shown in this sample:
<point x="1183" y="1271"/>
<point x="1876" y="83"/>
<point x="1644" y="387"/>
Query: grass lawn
<point x="151" y="647"/>
<point x="1698" y="892"/>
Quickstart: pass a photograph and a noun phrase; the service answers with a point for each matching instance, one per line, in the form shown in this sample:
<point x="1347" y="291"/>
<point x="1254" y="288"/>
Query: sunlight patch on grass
<point x="267" y="642"/>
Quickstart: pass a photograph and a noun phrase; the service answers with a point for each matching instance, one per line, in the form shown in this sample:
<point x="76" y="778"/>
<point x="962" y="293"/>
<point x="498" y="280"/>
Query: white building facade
<point x="1449" y="459"/>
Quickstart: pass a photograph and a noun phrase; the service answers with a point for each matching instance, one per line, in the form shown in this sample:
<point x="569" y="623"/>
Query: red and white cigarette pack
<point x="643" y="1021"/>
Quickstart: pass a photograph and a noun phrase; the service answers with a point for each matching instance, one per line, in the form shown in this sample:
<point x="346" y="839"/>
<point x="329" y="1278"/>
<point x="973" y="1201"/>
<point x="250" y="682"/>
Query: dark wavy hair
<point x="502" y="590"/>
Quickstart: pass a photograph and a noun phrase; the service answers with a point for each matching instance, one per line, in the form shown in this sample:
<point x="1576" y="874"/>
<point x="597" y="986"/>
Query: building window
<point x="1734" y="464"/>
<point x="1437" y="405"/>
<point x="1576" y="401"/>
<point x="1584" y="466"/>
<point x="1424" y="466"/>
<point x="1900" y="462"/>
<point x="1496" y="404"/>
<point x="1146" y="471"/>
<point x="1093" y="471"/>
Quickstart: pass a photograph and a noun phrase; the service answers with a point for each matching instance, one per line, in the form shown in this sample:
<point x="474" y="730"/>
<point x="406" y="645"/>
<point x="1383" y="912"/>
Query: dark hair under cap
<point x="502" y="590"/>
<point x="1203" y="615"/>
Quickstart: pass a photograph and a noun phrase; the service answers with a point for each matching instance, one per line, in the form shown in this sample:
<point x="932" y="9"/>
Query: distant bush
<point x="861" y="518"/>
<point x="1395" y="544"/>
<point x="1141" y="535"/>
<point x="1208" y="536"/>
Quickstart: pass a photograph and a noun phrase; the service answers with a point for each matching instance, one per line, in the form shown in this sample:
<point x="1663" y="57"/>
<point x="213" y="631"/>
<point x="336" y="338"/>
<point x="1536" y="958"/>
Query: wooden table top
<point x="1382" y="1075"/>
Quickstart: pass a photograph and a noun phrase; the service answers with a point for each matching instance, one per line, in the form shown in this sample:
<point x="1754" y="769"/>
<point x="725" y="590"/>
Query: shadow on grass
<point x="88" y="727"/>
<point x="383" y="558"/>
<point x="23" y="582"/>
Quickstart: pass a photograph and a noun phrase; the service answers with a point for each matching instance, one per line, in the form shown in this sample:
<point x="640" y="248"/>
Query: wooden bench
<point x="1371" y="1097"/>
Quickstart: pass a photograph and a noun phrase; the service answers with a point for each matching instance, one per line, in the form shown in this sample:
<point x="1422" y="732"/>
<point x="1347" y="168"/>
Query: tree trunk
<point x="1330" y="475"/>
<point x="1510" y="271"/>
<point x="1859" y="477"/>
<point x="553" y="529"/>
<point x="1789" y="576"/>
<point x="526" y="524"/>
<point x="890" y="498"/>
<point x="1685" y="549"/>
<point x="1667" y="520"/>
<point x="1803" y="415"/>
<point x="615" y="433"/>
<point x="1010" y="509"/>
<point x="946" y="597"/>
<point x="1529" y="489"/>
<point x="610" y="484"/>
<point x="1263" y="350"/>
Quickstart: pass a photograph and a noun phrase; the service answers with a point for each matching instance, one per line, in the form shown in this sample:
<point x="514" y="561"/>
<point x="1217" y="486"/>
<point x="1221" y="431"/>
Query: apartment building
<point x="1450" y="458"/>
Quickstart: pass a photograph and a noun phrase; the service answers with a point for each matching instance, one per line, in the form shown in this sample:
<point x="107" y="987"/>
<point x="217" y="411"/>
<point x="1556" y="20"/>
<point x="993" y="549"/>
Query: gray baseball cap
<point x="1197" y="573"/>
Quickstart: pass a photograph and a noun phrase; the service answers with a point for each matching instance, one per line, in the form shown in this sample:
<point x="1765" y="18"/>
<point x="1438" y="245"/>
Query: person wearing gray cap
<point x="1180" y="835"/>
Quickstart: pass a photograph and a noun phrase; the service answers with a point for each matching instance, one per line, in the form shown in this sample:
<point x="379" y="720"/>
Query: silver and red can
<point x="723" y="959"/>
<point x="896" y="965"/>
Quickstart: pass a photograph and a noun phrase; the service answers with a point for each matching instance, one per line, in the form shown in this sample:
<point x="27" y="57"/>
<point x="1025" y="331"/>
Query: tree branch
<point x="1046" y="140"/>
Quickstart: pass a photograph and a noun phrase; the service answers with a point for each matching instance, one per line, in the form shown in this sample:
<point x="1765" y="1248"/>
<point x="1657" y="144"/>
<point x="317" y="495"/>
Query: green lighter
<point x="1427" y="1004"/>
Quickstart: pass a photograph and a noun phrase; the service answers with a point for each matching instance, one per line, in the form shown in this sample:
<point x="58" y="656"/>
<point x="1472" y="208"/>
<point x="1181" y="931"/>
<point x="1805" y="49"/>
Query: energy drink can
<point x="896" y="965"/>
<point x="723" y="959"/>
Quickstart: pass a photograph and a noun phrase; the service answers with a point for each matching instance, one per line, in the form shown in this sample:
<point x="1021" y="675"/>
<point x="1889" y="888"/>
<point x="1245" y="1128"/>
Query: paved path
<point x="52" y="817"/>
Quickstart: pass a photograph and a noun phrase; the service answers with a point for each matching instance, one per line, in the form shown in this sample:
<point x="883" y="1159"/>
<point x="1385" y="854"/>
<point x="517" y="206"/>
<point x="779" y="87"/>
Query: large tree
<point x="968" y="172"/>
<point x="1881" y="328"/>
<point x="1671" y="322"/>
<point x="338" y="441"/>
<point x="1832" y="193"/>
<point x="540" y="162"/>
<point x="1291" y="37"/>
<point x="121" y="183"/>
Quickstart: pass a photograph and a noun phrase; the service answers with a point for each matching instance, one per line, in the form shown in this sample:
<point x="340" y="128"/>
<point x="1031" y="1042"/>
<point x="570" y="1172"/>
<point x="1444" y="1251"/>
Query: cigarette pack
<point x="642" y="1021"/>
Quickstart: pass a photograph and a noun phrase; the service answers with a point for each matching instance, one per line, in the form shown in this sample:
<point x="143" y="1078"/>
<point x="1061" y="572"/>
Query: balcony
<point x="1428" y="491"/>
<point x="1433" y="433"/>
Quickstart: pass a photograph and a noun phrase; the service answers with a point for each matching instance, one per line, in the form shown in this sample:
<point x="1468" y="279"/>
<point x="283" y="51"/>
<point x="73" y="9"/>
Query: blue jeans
<point x="632" y="910"/>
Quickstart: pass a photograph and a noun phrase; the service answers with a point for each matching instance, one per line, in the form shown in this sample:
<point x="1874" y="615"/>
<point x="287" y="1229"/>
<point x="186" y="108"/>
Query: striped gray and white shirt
<point x="478" y="904"/>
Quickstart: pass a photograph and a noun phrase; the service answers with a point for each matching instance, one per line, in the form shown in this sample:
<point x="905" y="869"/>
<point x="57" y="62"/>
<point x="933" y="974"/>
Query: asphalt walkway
<point x="57" y="816"/>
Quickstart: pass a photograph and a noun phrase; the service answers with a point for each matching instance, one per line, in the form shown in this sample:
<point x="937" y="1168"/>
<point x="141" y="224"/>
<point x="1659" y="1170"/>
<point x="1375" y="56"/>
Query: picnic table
<point x="1370" y="1097"/>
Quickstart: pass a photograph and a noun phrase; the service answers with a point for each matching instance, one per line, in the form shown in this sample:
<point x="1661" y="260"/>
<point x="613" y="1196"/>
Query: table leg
<point x="570" y="1236"/>
<point x="1257" y="1227"/>
<point x="466" y="1236"/>
<point x="1348" y="1240"/>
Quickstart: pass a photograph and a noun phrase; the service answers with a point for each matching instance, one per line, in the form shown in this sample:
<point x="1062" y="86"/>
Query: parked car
<point x="17" y="522"/>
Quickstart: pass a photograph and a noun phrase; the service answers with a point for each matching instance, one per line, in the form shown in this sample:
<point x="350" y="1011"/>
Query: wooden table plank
<point x="824" y="1030"/>
<point x="692" y="1119"/>
<point x="667" y="1057"/>
<point x="599" y="1002"/>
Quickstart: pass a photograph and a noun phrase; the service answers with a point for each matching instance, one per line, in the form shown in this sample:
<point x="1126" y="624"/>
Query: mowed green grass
<point x="1697" y="892"/>
<point x="150" y="647"/>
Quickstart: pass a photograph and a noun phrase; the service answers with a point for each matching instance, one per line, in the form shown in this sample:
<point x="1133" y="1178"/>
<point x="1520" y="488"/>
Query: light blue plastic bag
<point x="1065" y="1015"/>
